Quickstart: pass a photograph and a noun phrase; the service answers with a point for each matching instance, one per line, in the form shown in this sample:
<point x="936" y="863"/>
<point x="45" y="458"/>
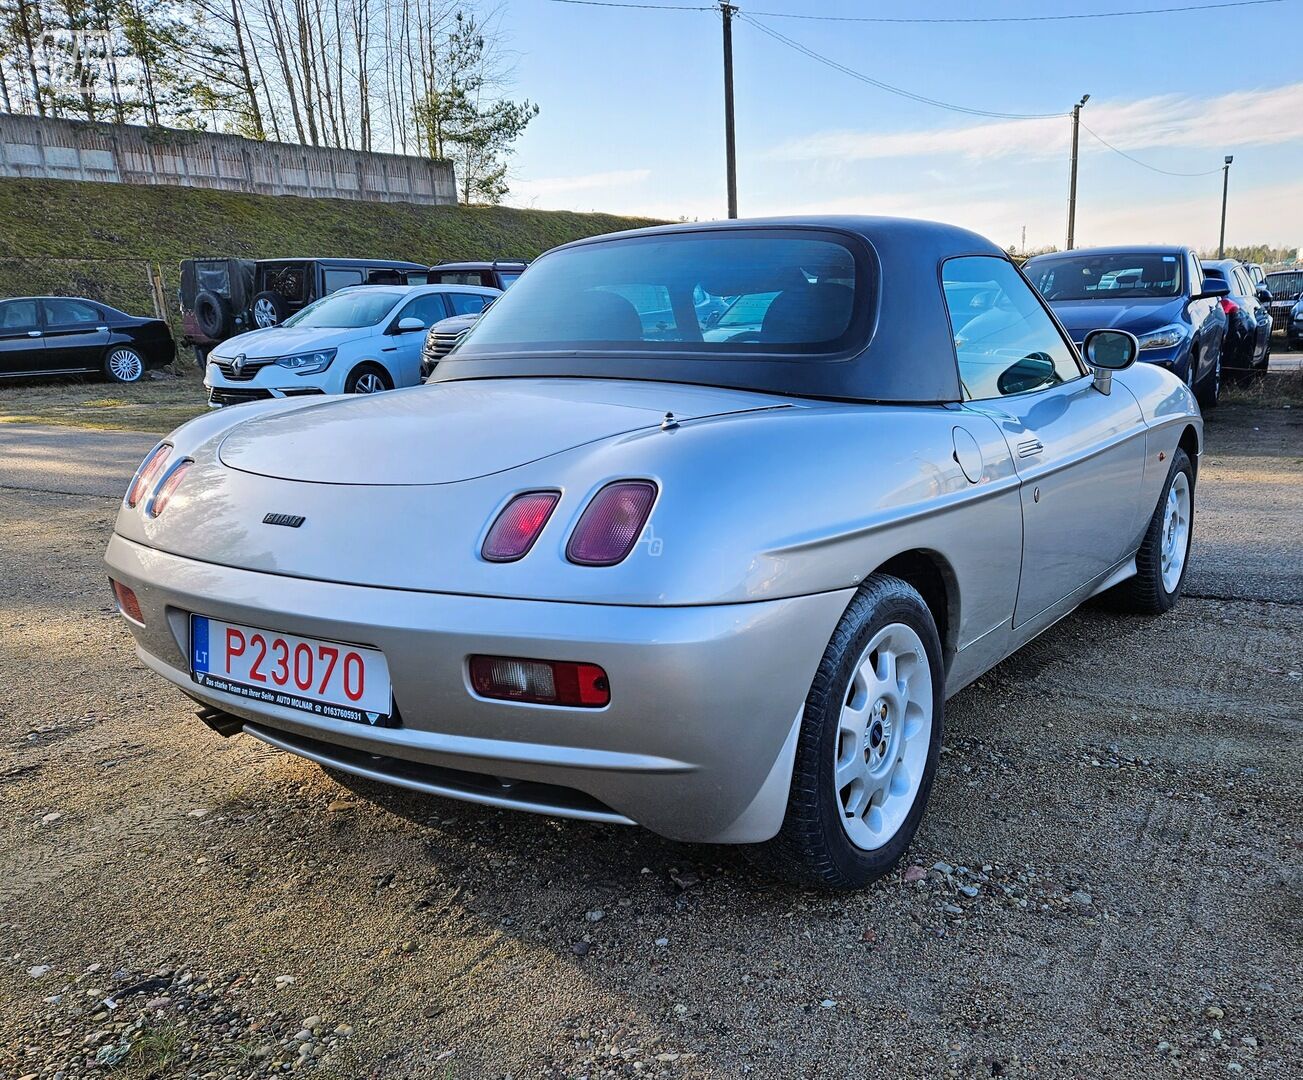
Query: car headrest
<point x="808" y="313"/>
<point x="605" y="316"/>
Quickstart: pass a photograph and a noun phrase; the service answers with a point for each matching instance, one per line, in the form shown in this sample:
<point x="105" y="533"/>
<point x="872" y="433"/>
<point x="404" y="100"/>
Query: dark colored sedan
<point x="68" y="335"/>
<point x="1157" y="293"/>
<point x="1248" y="331"/>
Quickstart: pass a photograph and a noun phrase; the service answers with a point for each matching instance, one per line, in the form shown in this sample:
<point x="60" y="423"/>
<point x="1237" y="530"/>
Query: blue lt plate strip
<point x="198" y="643"/>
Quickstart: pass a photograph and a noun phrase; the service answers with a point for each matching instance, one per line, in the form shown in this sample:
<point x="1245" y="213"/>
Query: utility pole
<point x="1072" y="183"/>
<point x="1226" y="183"/>
<point x="730" y="151"/>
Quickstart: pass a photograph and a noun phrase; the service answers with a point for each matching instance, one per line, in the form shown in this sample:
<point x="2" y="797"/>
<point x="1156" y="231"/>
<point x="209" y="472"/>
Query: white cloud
<point x="554" y="186"/>
<point x="1243" y="118"/>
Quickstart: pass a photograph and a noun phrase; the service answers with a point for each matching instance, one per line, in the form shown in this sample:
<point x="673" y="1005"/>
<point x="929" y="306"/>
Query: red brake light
<point x="147" y="473"/>
<point x="612" y="523"/>
<point x="518" y="526"/>
<point x="541" y="682"/>
<point x="127" y="602"/>
<point x="170" y="483"/>
<point x="1229" y="306"/>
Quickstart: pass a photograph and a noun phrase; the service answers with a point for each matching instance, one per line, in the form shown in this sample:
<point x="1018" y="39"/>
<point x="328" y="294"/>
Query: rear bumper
<point x="696" y="744"/>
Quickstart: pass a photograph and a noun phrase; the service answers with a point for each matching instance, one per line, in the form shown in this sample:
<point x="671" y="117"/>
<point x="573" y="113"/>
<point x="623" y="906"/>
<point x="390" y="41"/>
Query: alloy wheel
<point x="264" y="314"/>
<point x="368" y="383"/>
<point x="883" y="736"/>
<point x="1175" y="542"/>
<point x="125" y="365"/>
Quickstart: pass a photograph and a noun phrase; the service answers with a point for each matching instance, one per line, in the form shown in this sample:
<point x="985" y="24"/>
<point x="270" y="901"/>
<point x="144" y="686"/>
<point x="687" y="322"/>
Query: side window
<point x="68" y="313"/>
<point x="1196" y="275"/>
<point x="1246" y="286"/>
<point x="18" y="316"/>
<point x="340" y="279"/>
<point x="429" y="308"/>
<point x="464" y="303"/>
<point x="1005" y="342"/>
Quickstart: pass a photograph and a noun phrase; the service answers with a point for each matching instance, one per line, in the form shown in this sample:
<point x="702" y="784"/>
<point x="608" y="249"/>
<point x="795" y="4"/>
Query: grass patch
<point x="97" y="240"/>
<point x="154" y="405"/>
<point x="1270" y="388"/>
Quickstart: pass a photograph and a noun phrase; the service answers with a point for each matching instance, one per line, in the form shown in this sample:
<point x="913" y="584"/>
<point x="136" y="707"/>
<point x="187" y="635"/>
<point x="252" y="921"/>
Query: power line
<point x="1185" y="8"/>
<point x="1145" y="164"/>
<point x="836" y="66"/>
<point x="654" y="7"/>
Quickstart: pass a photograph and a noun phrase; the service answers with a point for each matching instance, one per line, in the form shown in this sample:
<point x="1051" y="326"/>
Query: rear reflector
<point x="541" y="682"/>
<point x="170" y="483"/>
<point x="612" y="523"/>
<point x="127" y="602"/>
<point x="147" y="473"/>
<point x="518" y="526"/>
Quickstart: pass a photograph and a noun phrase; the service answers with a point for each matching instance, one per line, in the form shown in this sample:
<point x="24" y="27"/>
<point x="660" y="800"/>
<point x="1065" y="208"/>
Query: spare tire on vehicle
<point x="213" y="314"/>
<point x="269" y="309"/>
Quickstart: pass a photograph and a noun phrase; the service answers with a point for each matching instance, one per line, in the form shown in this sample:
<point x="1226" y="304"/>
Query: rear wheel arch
<point x="932" y="575"/>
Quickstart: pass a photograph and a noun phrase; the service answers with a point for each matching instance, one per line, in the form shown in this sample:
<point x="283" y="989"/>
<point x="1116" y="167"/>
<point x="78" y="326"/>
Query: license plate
<point x="326" y="678"/>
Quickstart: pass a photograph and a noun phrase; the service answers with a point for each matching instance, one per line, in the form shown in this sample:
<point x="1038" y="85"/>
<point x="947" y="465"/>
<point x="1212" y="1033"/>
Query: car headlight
<point x="307" y="363"/>
<point x="1162" y="338"/>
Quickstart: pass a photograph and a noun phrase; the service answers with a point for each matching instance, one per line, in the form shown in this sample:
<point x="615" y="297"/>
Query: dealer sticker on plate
<point x="326" y="678"/>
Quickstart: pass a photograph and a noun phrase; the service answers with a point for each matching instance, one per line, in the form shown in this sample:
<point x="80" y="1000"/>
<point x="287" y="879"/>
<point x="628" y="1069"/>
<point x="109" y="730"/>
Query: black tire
<point x="123" y="364"/>
<point x="358" y="378"/>
<point x="1146" y="594"/>
<point x="268" y="309"/>
<point x="1209" y="390"/>
<point x="213" y="315"/>
<point x="813" y="848"/>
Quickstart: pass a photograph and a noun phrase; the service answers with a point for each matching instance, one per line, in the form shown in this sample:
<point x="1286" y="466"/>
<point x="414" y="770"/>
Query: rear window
<point x="708" y="294"/>
<point x="1114" y="276"/>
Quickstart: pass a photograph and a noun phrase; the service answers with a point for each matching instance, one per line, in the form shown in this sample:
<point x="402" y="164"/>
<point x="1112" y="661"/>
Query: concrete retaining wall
<point x="34" y="146"/>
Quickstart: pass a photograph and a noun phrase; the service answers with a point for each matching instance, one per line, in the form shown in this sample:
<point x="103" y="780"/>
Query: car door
<point x="22" y="344"/>
<point x="1259" y="321"/>
<point x="402" y="349"/>
<point x="1079" y="453"/>
<point x="76" y="334"/>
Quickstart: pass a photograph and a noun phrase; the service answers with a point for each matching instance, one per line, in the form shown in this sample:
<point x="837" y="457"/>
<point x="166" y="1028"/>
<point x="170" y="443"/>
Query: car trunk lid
<point x="448" y="432"/>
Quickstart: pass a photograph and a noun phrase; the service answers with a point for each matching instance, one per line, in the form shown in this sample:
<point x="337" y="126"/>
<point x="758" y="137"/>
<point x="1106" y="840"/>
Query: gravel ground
<point x="1107" y="882"/>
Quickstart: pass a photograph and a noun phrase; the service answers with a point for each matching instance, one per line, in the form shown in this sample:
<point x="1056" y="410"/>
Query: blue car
<point x="1159" y="294"/>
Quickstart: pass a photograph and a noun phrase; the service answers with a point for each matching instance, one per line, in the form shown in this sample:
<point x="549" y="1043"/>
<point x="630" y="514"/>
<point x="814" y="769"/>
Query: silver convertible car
<point x="718" y="585"/>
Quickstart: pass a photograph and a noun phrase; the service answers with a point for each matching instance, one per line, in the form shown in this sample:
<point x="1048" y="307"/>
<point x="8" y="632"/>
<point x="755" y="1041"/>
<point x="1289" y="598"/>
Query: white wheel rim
<point x="125" y="365"/>
<point x="1176" y="531"/>
<point x="264" y="314"/>
<point x="883" y="736"/>
<point x="370" y="383"/>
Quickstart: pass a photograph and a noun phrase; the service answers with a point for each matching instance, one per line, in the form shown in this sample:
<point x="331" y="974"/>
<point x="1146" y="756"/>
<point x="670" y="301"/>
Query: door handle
<point x="33" y="333"/>
<point x="1030" y="448"/>
<point x="102" y="329"/>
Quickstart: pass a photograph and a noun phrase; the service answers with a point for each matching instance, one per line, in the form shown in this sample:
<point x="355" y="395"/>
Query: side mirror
<point x="1213" y="289"/>
<point x="407" y="326"/>
<point x="1107" y="351"/>
<point x="1264" y="294"/>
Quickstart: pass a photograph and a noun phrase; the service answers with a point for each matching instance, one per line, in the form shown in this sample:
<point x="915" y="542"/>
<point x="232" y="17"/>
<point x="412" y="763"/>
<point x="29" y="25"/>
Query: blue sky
<point x="632" y="116"/>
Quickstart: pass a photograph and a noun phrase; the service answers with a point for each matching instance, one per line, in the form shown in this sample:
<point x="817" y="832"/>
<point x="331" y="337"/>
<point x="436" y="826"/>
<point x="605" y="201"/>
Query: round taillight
<point x="170" y="483"/>
<point x="147" y="473"/>
<point x="612" y="523"/>
<point x="518" y="526"/>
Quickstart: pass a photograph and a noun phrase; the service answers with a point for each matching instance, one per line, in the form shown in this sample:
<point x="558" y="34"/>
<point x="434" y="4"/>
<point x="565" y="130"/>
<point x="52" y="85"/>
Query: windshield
<point x="1115" y="276"/>
<point x="707" y="294"/>
<point x="347" y="309"/>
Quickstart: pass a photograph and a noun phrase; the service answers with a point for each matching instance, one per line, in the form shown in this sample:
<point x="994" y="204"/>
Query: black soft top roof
<point x="907" y="354"/>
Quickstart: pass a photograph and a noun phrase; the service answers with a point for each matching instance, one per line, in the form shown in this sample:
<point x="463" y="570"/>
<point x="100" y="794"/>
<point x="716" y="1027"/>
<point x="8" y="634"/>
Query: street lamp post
<point x="1226" y="182"/>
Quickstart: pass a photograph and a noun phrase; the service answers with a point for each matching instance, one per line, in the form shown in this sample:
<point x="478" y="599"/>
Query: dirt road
<point x="1108" y="880"/>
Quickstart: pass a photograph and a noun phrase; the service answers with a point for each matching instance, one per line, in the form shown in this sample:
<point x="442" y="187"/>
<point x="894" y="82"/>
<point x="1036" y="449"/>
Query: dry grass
<point x="1272" y="388"/>
<point x="154" y="405"/>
